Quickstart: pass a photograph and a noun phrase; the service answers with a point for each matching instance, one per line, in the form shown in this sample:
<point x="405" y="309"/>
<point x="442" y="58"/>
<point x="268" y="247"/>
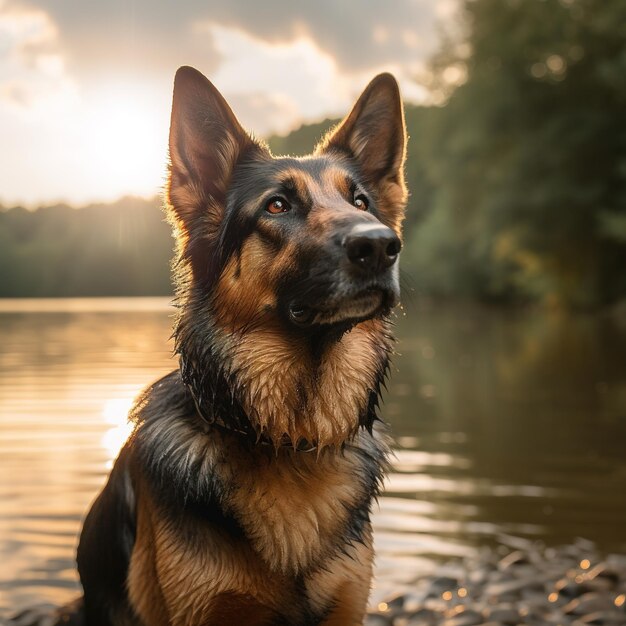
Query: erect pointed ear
<point x="374" y="135"/>
<point x="206" y="142"/>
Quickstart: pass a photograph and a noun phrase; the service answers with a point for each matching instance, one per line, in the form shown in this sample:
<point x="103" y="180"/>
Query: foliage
<point x="528" y="157"/>
<point x="300" y="141"/>
<point x="122" y="249"/>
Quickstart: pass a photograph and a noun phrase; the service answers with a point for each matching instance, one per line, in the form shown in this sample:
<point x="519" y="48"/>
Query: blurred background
<point x="508" y="405"/>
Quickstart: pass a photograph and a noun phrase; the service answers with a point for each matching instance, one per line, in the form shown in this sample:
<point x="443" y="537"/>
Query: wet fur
<point x="243" y="495"/>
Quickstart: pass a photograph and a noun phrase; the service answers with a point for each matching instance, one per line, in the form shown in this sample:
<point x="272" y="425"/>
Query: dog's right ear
<point x="206" y="142"/>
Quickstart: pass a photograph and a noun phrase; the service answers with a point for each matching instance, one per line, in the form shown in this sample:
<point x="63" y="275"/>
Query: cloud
<point x="85" y="89"/>
<point x="141" y="38"/>
<point x="32" y="68"/>
<point x="348" y="31"/>
<point x="274" y="87"/>
<point x="358" y="34"/>
<point x="62" y="139"/>
<point x="146" y="40"/>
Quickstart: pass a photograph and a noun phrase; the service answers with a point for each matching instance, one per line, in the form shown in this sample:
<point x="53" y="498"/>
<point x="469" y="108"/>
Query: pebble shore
<point x="572" y="585"/>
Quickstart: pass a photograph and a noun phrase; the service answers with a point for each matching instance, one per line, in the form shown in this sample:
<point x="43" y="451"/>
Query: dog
<point x="244" y="494"/>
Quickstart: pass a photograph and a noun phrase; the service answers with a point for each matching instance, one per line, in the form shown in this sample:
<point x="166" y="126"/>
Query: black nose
<point x="372" y="247"/>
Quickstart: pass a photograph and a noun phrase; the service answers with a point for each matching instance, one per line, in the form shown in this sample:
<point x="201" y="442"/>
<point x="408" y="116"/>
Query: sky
<point x="85" y="85"/>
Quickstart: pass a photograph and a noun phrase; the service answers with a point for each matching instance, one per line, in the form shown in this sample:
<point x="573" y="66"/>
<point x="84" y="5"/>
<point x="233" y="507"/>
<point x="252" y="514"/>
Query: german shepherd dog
<point x="243" y="495"/>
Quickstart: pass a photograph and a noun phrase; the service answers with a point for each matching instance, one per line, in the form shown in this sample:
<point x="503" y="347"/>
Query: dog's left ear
<point x="374" y="135"/>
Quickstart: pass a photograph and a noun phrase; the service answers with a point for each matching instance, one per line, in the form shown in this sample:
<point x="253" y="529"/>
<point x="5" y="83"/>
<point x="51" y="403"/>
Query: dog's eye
<point x="361" y="203"/>
<point x="277" y="205"/>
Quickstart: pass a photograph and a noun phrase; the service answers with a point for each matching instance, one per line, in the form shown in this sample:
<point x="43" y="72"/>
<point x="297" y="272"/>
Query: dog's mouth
<point x="364" y="305"/>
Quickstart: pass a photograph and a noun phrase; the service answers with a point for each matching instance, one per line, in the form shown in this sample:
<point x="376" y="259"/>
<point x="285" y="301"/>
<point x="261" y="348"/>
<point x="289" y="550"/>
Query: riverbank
<point x="520" y="583"/>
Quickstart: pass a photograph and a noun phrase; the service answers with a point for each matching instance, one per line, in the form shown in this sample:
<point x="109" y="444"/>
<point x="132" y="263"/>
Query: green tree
<point x="528" y="157"/>
<point x="118" y="249"/>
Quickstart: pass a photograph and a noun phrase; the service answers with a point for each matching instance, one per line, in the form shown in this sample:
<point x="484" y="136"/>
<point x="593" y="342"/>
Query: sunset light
<point x="127" y="140"/>
<point x="84" y="110"/>
<point x="115" y="414"/>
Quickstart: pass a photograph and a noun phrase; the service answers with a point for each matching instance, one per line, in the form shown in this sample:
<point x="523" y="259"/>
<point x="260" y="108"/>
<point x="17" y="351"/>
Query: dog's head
<point x="314" y="241"/>
<point x="286" y="266"/>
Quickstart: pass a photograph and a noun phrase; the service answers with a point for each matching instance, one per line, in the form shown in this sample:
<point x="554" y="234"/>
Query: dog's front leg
<point x="344" y="584"/>
<point x="351" y="605"/>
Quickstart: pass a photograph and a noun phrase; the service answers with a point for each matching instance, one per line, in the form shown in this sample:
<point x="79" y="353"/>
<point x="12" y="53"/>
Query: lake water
<point x="505" y="424"/>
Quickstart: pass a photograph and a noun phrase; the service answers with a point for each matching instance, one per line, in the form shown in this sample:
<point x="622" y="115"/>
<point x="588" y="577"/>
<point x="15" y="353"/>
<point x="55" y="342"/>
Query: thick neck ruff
<point x="264" y="386"/>
<point x="256" y="438"/>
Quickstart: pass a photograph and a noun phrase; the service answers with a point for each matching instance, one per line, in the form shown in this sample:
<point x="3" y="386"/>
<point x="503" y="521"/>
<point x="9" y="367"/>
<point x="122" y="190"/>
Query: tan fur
<point x="292" y="507"/>
<point x="302" y="180"/>
<point x="343" y="578"/>
<point x="192" y="575"/>
<point x="279" y="392"/>
<point x="240" y="297"/>
<point x="185" y="572"/>
<point x="143" y="581"/>
<point x="371" y="149"/>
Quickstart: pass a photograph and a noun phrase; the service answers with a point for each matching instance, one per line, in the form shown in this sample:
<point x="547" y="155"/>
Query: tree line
<point x="118" y="249"/>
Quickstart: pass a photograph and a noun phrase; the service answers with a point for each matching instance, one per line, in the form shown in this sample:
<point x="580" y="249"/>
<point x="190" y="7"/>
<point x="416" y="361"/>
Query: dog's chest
<point x="295" y="513"/>
<point x="297" y="509"/>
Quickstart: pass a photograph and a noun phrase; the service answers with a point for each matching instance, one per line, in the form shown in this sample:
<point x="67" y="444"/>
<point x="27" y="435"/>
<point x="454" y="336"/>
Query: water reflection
<point x="533" y="410"/>
<point x="68" y="371"/>
<point x="504" y="423"/>
<point x="115" y="413"/>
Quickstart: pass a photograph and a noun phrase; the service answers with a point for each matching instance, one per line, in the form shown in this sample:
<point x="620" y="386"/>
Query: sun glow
<point x="127" y="138"/>
<point x="97" y="143"/>
<point x="115" y="413"/>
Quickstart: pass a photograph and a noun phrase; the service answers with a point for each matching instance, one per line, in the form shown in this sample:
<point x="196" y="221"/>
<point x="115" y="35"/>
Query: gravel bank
<point x="572" y="585"/>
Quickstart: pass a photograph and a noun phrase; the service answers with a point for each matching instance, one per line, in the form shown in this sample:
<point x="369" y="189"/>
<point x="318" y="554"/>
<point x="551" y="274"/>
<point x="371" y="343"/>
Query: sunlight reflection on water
<point x="115" y="413"/>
